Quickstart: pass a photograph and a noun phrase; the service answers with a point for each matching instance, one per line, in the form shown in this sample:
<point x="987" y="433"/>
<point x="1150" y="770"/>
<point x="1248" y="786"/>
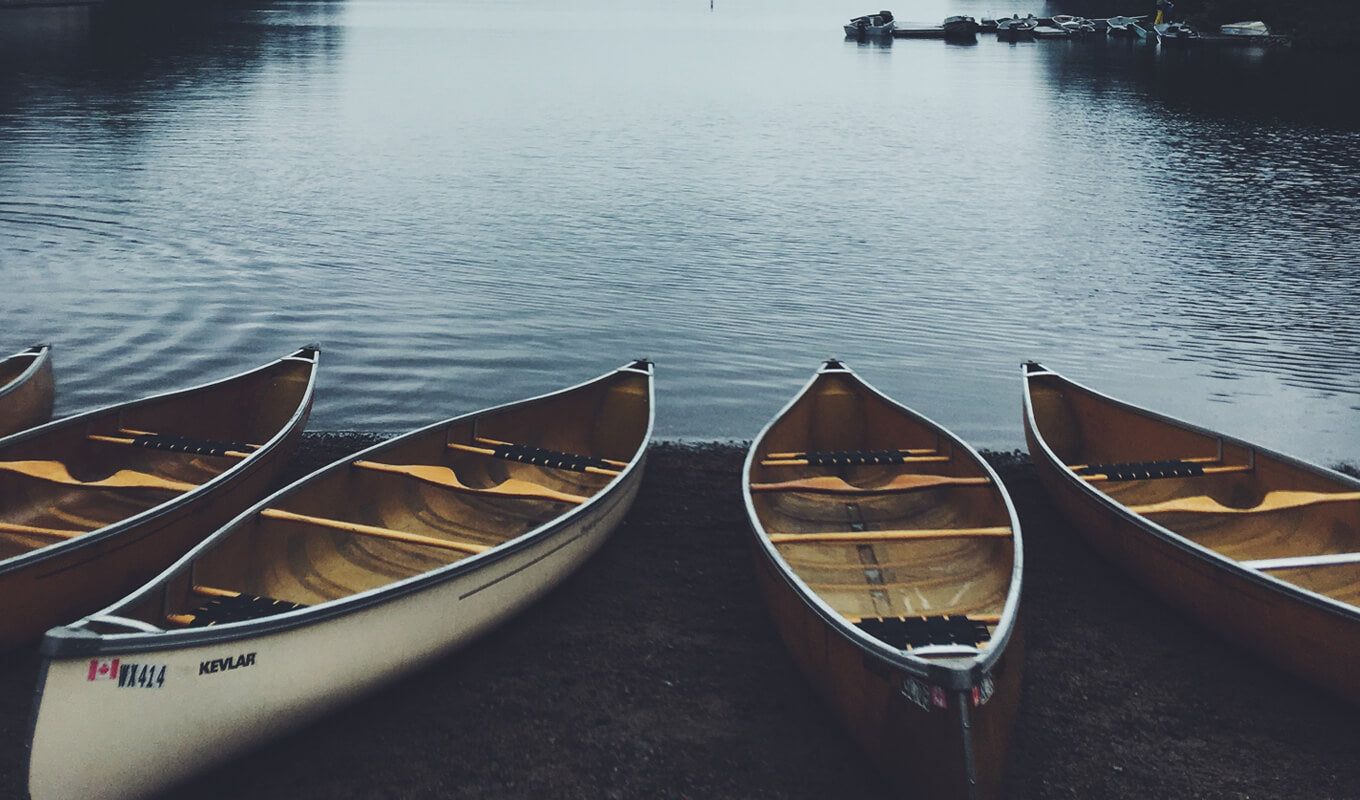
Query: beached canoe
<point x="93" y="506"/>
<point x="27" y="391"/>
<point x="1260" y="548"/>
<point x="889" y="555"/>
<point x="352" y="576"/>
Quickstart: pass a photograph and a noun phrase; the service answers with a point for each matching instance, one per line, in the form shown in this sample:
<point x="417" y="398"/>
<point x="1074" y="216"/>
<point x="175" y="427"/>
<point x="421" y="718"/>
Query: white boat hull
<point x="199" y="705"/>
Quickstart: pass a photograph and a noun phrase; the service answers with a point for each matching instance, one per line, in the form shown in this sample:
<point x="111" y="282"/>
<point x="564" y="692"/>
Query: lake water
<point x="466" y="202"/>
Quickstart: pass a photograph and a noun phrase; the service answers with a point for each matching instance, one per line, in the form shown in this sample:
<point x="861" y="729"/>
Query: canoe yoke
<point x="1143" y="470"/>
<point x="230" y="607"/>
<point x="913" y="632"/>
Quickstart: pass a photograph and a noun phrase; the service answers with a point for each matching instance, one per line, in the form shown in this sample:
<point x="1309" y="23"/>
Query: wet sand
<point x="653" y="672"/>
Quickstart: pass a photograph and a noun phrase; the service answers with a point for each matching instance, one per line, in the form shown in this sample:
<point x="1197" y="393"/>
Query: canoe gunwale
<point x="1090" y="493"/>
<point x="236" y="472"/>
<point x="43" y="355"/>
<point x="948" y="675"/>
<point x="75" y="640"/>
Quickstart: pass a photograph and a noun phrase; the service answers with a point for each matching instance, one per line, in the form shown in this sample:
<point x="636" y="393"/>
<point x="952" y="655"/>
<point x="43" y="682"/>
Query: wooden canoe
<point x="1260" y="548"/>
<point x="348" y="578"/>
<point x="94" y="505"/>
<point x="890" y="557"/>
<point x="27" y="390"/>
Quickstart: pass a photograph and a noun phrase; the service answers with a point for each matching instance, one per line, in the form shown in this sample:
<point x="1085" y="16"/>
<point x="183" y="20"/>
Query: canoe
<point x="27" y="391"/>
<point x="1260" y="548"/>
<point x="93" y="506"/>
<point x="348" y="578"/>
<point x="889" y="555"/>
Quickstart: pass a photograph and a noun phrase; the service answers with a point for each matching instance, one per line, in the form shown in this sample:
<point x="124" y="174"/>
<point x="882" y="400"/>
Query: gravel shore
<point x="653" y="672"/>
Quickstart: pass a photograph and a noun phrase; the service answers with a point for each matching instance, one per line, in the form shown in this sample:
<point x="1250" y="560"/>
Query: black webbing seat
<point x="1144" y="470"/>
<point x="548" y="458"/>
<point x="239" y="608"/>
<point x="187" y="444"/>
<point x="837" y="458"/>
<point x="921" y="631"/>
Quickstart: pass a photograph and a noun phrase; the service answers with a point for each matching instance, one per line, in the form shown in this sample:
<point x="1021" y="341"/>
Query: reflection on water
<point x="466" y="202"/>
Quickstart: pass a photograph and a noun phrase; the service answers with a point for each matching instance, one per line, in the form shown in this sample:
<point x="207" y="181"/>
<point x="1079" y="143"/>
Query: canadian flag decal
<point x="103" y="669"/>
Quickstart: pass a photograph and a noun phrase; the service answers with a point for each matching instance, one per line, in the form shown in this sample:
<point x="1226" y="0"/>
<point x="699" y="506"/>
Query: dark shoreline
<point x="653" y="672"/>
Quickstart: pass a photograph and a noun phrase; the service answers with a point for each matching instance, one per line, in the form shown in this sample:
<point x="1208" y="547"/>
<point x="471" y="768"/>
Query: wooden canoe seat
<point x="1273" y="501"/>
<point x="32" y="530"/>
<point x="912" y="632"/>
<point x="836" y="485"/>
<point x="226" y="606"/>
<point x="540" y="457"/>
<point x="179" y="444"/>
<point x="56" y="472"/>
<point x="443" y="476"/>
<point x="845" y="458"/>
<point x="373" y="530"/>
<point x="1151" y="470"/>
<point x="890" y="536"/>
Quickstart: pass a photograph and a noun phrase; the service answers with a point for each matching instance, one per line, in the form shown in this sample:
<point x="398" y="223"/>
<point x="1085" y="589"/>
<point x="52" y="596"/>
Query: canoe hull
<point x="1312" y="637"/>
<point x="223" y="698"/>
<point x="55" y="585"/>
<point x="920" y="752"/>
<point x="27" y="400"/>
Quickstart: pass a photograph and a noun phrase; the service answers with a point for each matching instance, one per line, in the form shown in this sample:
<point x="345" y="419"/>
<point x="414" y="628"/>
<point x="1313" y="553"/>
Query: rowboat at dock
<point x="94" y="505"/>
<point x="356" y="574"/>
<point x="889" y="555"/>
<point x="1260" y="548"/>
<point x="27" y="390"/>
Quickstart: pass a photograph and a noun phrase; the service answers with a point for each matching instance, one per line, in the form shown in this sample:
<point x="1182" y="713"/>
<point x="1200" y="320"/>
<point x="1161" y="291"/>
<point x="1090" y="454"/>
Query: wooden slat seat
<point x="373" y="530"/>
<point x="33" y="530"/>
<point x="56" y="472"/>
<point x="227" y="606"/>
<point x="178" y="444"/>
<point x="540" y="457"/>
<point x="890" y="536"/>
<point x="840" y="458"/>
<point x="1152" y="470"/>
<point x="837" y="485"/>
<point x="447" y="478"/>
<point x="909" y="632"/>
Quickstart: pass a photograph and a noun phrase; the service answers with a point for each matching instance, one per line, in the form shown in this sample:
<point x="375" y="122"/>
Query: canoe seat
<point x="236" y="609"/>
<point x="922" y="631"/>
<point x="1144" y="470"/>
<point x="538" y="456"/>
<point x="182" y="444"/>
<point x="845" y="458"/>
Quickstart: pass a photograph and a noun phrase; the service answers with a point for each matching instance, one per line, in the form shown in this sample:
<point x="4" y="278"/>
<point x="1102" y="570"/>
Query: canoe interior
<point x="27" y="390"/>
<point x="37" y="511"/>
<point x="352" y="527"/>
<point x="919" y="551"/>
<point x="1248" y="505"/>
<point x="13" y="367"/>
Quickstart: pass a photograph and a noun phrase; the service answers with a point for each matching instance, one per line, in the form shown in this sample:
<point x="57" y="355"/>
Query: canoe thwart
<point x="179" y="444"/>
<point x="56" y="472"/>
<point x="899" y="483"/>
<point x="33" y="530"/>
<point x="1151" y="470"/>
<point x="542" y="458"/>
<point x="905" y="634"/>
<point x="1303" y="562"/>
<point x="372" y="530"/>
<point x="890" y="536"/>
<point x="845" y="458"/>
<point x="443" y="476"/>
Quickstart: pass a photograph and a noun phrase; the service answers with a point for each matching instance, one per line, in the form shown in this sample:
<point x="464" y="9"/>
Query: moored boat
<point x="1118" y="26"/>
<point x="348" y="578"/>
<point x="871" y="25"/>
<point x="1260" y="548"/>
<point x="94" y="505"/>
<point x="960" y="27"/>
<point x="1015" y="29"/>
<point x="890" y="557"/>
<point x="27" y="389"/>
<point x="1175" y="33"/>
<point x="1254" y="28"/>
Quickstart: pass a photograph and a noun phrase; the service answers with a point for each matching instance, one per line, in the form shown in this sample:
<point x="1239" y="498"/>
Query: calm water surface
<point x="469" y="202"/>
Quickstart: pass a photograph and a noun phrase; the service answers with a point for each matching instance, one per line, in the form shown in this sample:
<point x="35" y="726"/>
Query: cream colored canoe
<point x="1260" y="548"/>
<point x="890" y="557"/>
<point x="350" y="577"/>
<point x="27" y="390"/>
<point x="94" y="505"/>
